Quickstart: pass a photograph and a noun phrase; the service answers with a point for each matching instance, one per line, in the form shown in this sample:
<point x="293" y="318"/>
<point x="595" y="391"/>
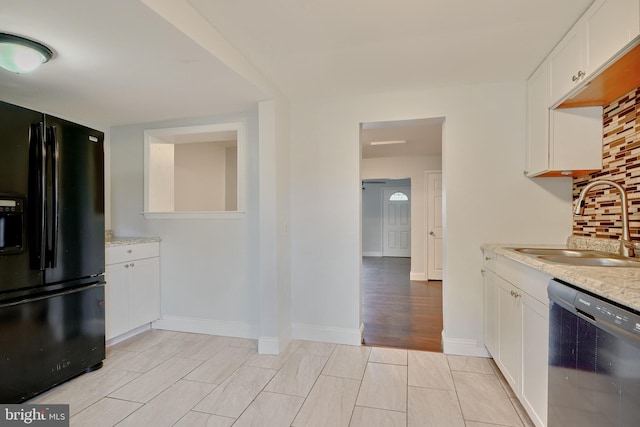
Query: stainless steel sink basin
<point x="593" y="261"/>
<point x="583" y="257"/>
<point x="559" y="252"/>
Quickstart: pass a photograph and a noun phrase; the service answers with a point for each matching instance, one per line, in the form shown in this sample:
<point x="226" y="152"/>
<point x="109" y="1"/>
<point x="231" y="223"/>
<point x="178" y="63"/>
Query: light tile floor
<point x="164" y="378"/>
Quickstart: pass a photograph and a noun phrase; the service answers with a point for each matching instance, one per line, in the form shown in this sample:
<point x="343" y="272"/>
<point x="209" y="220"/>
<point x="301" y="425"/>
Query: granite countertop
<point x="109" y="240"/>
<point x="119" y="241"/>
<point x="619" y="284"/>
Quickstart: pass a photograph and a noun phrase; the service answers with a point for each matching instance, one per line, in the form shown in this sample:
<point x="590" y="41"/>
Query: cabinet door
<point x="509" y="338"/>
<point x="116" y="299"/>
<point x="535" y="350"/>
<point x="610" y="26"/>
<point x="490" y="313"/>
<point x="144" y="291"/>
<point x="576" y="139"/>
<point x="538" y="121"/>
<point x="567" y="63"/>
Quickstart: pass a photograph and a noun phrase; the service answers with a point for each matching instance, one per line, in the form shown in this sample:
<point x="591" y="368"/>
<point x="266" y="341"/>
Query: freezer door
<point x="75" y="201"/>
<point x="50" y="339"/>
<point x="20" y="161"/>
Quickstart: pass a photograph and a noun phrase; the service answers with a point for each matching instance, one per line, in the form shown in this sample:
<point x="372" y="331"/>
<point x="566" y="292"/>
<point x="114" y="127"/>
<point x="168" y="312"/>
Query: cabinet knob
<point x="131" y="264"/>
<point x="487" y="258"/>
<point x="129" y="251"/>
<point x="126" y="266"/>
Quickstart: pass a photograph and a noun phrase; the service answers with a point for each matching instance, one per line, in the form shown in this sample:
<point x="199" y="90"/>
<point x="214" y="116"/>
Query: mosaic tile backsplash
<point x="621" y="163"/>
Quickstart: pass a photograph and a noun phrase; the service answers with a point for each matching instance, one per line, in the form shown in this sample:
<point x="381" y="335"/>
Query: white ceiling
<point x="336" y="47"/>
<point x="118" y="62"/>
<point x="423" y="137"/>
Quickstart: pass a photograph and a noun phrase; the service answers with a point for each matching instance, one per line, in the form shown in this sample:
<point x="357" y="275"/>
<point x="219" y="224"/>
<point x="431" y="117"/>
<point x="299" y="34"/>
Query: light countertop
<point x="619" y="284"/>
<point x="119" y="241"/>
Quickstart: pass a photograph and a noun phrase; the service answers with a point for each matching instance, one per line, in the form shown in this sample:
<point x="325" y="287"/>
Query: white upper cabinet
<point x="566" y="63"/>
<point x="591" y="66"/>
<point x="610" y="25"/>
<point x="538" y="121"/>
<point x="603" y="32"/>
<point x="564" y="142"/>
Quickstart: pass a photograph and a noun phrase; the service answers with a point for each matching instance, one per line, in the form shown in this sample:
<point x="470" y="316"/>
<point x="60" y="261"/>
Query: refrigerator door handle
<point x="52" y="233"/>
<point x="38" y="214"/>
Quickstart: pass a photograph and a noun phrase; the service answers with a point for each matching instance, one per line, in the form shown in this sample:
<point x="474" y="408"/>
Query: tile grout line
<point x="335" y="348"/>
<point x="455" y="388"/>
<point x="359" y="388"/>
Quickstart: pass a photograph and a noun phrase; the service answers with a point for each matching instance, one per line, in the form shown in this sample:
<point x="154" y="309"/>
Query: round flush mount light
<point x="22" y="55"/>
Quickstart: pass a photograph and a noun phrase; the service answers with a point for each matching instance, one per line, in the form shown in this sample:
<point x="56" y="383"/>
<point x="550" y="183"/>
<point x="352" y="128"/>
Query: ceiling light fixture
<point x="388" y="142"/>
<point x="22" y="55"/>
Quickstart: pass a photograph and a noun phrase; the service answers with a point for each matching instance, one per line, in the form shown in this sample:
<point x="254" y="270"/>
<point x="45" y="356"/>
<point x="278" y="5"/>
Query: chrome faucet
<point x="627" y="247"/>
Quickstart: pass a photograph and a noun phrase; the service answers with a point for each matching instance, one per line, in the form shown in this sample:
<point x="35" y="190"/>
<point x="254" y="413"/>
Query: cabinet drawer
<point x="527" y="279"/>
<point x="489" y="260"/>
<point x="124" y="253"/>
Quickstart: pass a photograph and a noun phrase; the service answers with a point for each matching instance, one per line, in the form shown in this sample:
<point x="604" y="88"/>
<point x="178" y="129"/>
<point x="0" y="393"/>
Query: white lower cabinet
<point x="116" y="300"/>
<point x="509" y="334"/>
<point x="133" y="287"/>
<point x="516" y="320"/>
<point x="535" y="358"/>
<point x="490" y="312"/>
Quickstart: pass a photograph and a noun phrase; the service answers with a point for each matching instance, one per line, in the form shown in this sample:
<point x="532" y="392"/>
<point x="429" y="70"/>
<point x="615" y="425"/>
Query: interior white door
<point x="396" y="222"/>
<point x="434" y="225"/>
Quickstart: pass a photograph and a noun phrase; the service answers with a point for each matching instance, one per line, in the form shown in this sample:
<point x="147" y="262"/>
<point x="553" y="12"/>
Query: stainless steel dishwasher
<point x="594" y="360"/>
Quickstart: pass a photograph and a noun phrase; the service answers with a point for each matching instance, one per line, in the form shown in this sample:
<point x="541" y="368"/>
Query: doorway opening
<point x="400" y="306"/>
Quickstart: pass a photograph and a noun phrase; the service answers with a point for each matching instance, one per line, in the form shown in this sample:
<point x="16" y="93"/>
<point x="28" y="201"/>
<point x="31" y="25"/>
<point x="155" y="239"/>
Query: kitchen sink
<point x="581" y="257"/>
<point x="592" y="261"/>
<point x="559" y="252"/>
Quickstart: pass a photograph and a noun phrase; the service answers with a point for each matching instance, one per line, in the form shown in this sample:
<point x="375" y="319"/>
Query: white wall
<point x="231" y="179"/>
<point x="372" y="215"/>
<point x="274" y="248"/>
<point x="414" y="168"/>
<point x="486" y="198"/>
<point x="372" y="219"/>
<point x="209" y="275"/>
<point x="200" y="177"/>
<point x="161" y="177"/>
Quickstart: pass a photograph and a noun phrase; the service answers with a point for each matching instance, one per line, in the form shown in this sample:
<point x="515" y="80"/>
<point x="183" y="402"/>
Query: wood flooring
<point x="396" y="311"/>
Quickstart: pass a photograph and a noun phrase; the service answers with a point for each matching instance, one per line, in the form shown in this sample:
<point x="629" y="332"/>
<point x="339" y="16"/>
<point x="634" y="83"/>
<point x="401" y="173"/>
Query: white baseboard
<point x="274" y="345"/>
<point x="372" y="253"/>
<point x="207" y="326"/>
<point x="463" y="347"/>
<point x="327" y="334"/>
<point x="418" y="276"/>
<point x="127" y="335"/>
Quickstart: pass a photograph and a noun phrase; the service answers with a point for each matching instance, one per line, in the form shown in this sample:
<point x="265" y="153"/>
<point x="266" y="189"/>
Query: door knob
<point x="431" y="233"/>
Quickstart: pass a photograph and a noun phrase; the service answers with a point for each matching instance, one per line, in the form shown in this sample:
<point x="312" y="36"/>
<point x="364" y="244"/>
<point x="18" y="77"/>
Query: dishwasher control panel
<point x="603" y="312"/>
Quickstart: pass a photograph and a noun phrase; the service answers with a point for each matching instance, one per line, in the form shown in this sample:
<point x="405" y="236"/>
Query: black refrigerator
<point x="51" y="252"/>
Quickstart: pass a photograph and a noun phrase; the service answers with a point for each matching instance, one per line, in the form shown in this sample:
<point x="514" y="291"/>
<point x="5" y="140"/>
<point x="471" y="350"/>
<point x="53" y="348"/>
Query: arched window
<point x="398" y="196"/>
